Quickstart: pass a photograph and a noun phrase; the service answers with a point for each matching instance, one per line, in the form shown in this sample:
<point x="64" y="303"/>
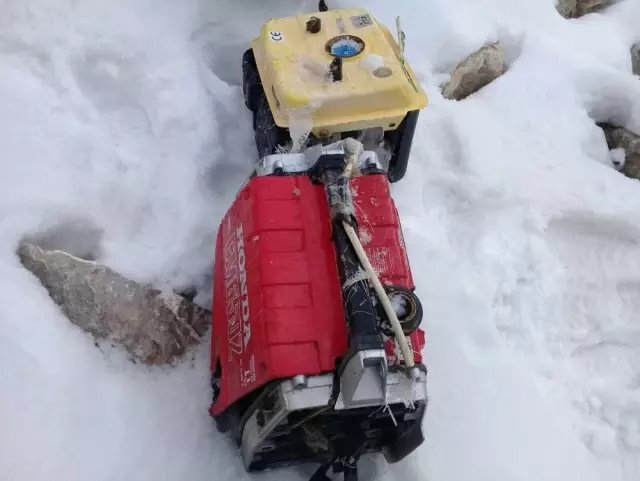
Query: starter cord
<point x="354" y="149"/>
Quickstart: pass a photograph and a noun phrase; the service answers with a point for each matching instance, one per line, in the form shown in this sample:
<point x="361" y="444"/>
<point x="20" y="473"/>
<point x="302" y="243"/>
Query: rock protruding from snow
<point x="585" y="7"/>
<point x="635" y="59"/>
<point x="579" y="8"/>
<point x="475" y="72"/>
<point x="566" y="7"/>
<point x="155" y="327"/>
<point x="619" y="138"/>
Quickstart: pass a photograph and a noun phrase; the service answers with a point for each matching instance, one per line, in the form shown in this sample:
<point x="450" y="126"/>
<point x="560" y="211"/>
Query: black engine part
<point x="410" y="320"/>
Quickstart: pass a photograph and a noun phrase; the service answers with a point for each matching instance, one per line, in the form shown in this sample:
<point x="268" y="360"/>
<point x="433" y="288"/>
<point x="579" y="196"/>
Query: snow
<point x="124" y="136"/>
<point x="399" y="305"/>
<point x="618" y="157"/>
<point x="346" y="48"/>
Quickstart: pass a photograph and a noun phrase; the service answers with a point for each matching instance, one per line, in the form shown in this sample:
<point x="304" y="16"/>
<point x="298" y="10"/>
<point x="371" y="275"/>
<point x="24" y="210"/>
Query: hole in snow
<point x="78" y="237"/>
<point x="222" y="51"/>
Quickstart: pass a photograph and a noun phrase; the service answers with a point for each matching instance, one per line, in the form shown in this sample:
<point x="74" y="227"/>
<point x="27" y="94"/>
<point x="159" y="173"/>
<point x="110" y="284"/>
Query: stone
<point x="635" y="59"/>
<point x="566" y="7"/>
<point x="579" y="8"/>
<point x="585" y="7"/>
<point x="620" y="138"/>
<point x="154" y="326"/>
<point x="475" y="72"/>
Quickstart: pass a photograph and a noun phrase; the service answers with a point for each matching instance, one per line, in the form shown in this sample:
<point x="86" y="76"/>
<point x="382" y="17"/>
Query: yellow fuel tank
<point x="377" y="87"/>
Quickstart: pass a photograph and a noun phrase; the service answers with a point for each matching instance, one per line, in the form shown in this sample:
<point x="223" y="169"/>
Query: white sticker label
<point x="248" y="376"/>
<point x="276" y="36"/>
<point x="360" y="21"/>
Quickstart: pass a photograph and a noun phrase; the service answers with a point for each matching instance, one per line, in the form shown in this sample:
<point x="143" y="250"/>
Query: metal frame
<point x="303" y="393"/>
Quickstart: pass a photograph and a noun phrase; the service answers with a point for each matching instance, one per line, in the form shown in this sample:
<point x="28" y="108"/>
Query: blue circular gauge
<point x="345" y="46"/>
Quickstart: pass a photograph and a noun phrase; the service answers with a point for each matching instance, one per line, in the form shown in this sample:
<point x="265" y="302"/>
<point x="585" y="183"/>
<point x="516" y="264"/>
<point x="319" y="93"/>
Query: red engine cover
<point x="277" y="306"/>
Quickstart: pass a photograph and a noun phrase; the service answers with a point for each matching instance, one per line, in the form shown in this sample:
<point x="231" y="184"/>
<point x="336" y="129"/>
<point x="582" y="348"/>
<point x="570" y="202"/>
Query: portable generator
<point x="316" y="353"/>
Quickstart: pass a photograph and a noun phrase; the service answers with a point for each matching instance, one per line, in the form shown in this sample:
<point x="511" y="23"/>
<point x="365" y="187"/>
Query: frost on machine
<point x="316" y="352"/>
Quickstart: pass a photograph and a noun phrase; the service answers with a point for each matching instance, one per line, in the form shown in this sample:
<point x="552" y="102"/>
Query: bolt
<point x="299" y="381"/>
<point x="370" y="162"/>
<point x="278" y="166"/>
<point x="313" y="25"/>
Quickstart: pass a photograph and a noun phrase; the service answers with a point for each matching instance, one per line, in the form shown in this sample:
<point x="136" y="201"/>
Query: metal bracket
<point x="301" y="163"/>
<point x="364" y="379"/>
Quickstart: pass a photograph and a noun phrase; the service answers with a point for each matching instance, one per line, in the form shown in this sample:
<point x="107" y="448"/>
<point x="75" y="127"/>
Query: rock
<point x="619" y="138"/>
<point x="585" y="7"/>
<point x="566" y="7"/>
<point x="155" y="327"/>
<point x="635" y="59"/>
<point x="478" y="70"/>
<point x="579" y="8"/>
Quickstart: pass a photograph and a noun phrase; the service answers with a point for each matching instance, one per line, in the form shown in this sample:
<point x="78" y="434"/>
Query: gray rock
<point x="579" y="8"/>
<point x="635" y="59"/>
<point x="155" y="327"/>
<point x="585" y="7"/>
<point x="566" y="7"/>
<point x="475" y="72"/>
<point x="619" y="138"/>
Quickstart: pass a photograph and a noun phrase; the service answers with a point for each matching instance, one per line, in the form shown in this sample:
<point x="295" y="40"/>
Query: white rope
<point x="360" y="276"/>
<point x="384" y="299"/>
<point x="354" y="148"/>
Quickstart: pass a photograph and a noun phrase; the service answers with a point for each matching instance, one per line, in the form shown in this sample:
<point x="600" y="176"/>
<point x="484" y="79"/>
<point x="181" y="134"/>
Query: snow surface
<point x="618" y="157"/>
<point x="125" y="137"/>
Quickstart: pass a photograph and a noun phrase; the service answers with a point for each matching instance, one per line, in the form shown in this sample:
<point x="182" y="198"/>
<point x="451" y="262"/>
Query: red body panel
<point x="277" y="307"/>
